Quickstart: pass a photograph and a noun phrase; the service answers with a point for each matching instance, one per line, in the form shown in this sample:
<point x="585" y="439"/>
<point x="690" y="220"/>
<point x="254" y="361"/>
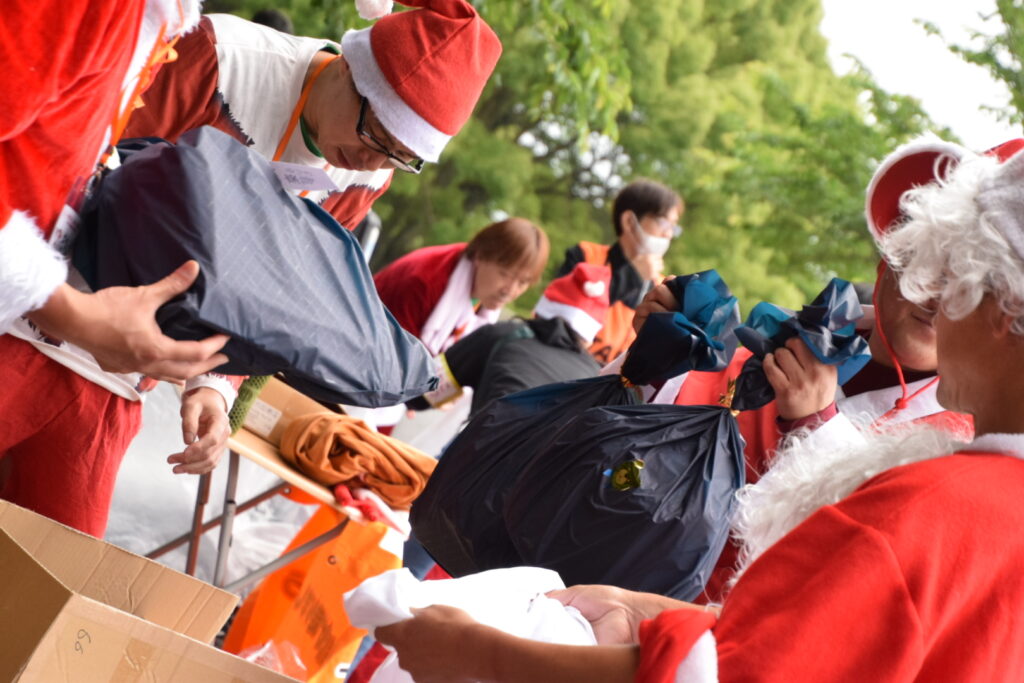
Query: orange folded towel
<point x="340" y="449"/>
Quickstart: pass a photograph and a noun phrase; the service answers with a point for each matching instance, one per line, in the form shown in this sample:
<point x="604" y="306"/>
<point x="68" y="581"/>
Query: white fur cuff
<point x="218" y="383"/>
<point x="701" y="663"/>
<point x="30" y="269"/>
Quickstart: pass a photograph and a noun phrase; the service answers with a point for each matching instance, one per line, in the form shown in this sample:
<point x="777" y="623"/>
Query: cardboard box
<point x="275" y="408"/>
<point x="73" y="608"/>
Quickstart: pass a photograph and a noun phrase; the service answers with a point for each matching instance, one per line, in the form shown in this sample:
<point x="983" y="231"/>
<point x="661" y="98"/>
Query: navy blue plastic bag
<point x="638" y="497"/>
<point x="278" y="273"/>
<point x="459" y="516"/>
<point x="826" y="326"/>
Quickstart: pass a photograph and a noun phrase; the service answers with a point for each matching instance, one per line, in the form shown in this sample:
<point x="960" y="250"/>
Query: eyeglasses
<point x="413" y="165"/>
<point x="676" y="229"/>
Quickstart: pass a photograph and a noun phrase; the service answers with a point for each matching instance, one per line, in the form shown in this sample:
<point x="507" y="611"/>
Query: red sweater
<point x="411" y="286"/>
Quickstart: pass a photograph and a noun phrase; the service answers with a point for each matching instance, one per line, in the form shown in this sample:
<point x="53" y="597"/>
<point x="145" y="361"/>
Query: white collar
<point x="1009" y="444"/>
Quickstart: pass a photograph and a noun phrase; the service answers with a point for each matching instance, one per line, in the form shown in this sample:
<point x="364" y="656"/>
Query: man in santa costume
<point x="895" y="557"/>
<point x="72" y="72"/>
<point x="388" y="97"/>
<point x="514" y="355"/>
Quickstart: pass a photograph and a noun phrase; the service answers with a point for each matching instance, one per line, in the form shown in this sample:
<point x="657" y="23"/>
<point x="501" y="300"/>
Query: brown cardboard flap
<point x="275" y="408"/>
<point x="30" y="599"/>
<point x="89" y="642"/>
<point x="118" y="578"/>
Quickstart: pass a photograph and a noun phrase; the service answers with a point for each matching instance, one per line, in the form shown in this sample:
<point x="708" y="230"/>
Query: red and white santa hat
<point x="580" y="298"/>
<point x="422" y="70"/>
<point x="914" y="164"/>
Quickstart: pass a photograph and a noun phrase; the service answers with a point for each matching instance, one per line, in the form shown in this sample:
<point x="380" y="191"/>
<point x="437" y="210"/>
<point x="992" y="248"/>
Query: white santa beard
<point x="804" y="477"/>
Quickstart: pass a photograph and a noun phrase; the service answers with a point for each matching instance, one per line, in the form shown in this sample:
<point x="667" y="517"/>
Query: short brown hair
<point x="514" y="243"/>
<point x="644" y="198"/>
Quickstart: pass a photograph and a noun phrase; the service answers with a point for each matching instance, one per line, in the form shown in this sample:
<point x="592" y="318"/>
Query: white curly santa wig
<point x="963" y="236"/>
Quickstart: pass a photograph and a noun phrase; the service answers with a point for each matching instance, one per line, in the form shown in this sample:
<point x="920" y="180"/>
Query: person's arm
<point x="445" y="645"/>
<point x="118" y="327"/>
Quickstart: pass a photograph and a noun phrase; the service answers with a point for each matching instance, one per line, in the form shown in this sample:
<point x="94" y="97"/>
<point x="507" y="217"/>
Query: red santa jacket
<point x="915" y="576"/>
<point x="411" y="286"/>
<point x="63" y="69"/>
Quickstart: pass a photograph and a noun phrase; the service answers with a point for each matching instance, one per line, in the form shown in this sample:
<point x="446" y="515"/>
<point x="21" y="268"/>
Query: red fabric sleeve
<point x="411" y="286"/>
<point x="350" y="206"/>
<point x="64" y="64"/>
<point x="666" y="640"/>
<point x="184" y="93"/>
<point x="811" y="421"/>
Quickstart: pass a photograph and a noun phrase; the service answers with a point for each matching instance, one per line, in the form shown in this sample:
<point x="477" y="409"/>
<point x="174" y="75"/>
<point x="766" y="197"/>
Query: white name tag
<point x="299" y="177"/>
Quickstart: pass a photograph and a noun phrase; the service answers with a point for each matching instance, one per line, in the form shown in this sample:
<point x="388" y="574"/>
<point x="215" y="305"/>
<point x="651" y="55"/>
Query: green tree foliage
<point x="1000" y="53"/>
<point x="732" y="103"/>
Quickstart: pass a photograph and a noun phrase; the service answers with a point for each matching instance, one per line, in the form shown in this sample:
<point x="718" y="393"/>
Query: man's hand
<point x="803" y="384"/>
<point x="659" y="300"/>
<point x="607" y="608"/>
<point x="118" y="327"/>
<point x="204" y="428"/>
<point x="439" y="644"/>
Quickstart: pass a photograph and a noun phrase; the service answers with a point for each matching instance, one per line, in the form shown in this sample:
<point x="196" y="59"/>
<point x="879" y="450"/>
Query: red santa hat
<point x="916" y="163"/>
<point x="580" y="298"/>
<point x="422" y="70"/>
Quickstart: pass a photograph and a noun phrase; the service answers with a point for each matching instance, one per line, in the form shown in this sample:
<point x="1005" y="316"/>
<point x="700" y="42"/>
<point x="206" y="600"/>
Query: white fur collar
<point x="804" y="478"/>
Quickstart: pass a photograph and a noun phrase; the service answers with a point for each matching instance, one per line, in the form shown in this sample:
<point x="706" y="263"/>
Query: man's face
<point x="909" y="328"/>
<point x="336" y="119"/>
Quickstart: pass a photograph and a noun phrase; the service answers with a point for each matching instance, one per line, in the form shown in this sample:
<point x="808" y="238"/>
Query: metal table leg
<point x="227" y="519"/>
<point x="202" y="498"/>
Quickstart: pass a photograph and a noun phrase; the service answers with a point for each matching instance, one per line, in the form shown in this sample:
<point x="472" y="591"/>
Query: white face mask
<point x="649" y="244"/>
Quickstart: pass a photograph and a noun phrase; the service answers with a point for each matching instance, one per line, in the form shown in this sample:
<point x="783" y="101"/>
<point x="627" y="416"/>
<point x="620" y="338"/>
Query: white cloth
<point x="454" y="310"/>
<point x="512" y="600"/>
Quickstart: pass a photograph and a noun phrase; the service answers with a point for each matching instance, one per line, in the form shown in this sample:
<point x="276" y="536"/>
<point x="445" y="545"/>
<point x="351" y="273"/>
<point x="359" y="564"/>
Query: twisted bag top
<point x="279" y="275"/>
<point x="340" y="449"/>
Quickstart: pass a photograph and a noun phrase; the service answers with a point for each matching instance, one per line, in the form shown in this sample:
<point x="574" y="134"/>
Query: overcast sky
<point x="904" y="59"/>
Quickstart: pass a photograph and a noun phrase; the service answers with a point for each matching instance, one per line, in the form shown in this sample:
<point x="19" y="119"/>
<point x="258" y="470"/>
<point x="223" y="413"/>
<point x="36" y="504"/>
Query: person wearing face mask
<point x="645" y="216"/>
<point x="441" y="293"/>
<point x="357" y="110"/>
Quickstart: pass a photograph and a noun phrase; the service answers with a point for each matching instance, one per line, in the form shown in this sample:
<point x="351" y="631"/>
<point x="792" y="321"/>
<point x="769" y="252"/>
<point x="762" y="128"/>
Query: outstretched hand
<point x="205" y="431"/>
<point x="118" y="327"/>
<point x="803" y="385"/>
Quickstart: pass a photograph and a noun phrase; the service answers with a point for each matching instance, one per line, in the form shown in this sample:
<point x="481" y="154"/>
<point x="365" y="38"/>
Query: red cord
<point x="904" y="400"/>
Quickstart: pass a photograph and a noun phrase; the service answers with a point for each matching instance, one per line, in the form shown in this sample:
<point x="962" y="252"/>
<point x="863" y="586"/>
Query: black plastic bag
<point x="827" y="327"/>
<point x="459" y="516"/>
<point x="638" y="497"/>
<point x="278" y="273"/>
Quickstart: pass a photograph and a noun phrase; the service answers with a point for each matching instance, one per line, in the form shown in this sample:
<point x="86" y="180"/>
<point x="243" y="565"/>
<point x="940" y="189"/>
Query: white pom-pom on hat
<point x="374" y="9"/>
<point x="593" y="288"/>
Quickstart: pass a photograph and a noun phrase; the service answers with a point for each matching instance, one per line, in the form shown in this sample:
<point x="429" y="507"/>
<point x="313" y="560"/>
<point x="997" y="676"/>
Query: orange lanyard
<point x="162" y="53"/>
<point x="297" y="112"/>
<point x="298" y="108"/>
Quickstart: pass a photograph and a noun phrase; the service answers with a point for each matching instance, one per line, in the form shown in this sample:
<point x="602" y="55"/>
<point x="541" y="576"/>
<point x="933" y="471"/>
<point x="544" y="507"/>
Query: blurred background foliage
<point x="732" y="103"/>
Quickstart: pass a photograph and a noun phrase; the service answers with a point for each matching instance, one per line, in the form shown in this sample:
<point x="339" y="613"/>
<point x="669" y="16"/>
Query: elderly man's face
<point x="909" y="328"/>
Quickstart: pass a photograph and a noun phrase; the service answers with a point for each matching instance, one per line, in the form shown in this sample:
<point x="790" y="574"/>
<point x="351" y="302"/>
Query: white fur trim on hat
<point x="374" y="9"/>
<point x="397" y="117"/>
<point x="927" y="143"/>
<point x="30" y="269"/>
<point x="578" y="320"/>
